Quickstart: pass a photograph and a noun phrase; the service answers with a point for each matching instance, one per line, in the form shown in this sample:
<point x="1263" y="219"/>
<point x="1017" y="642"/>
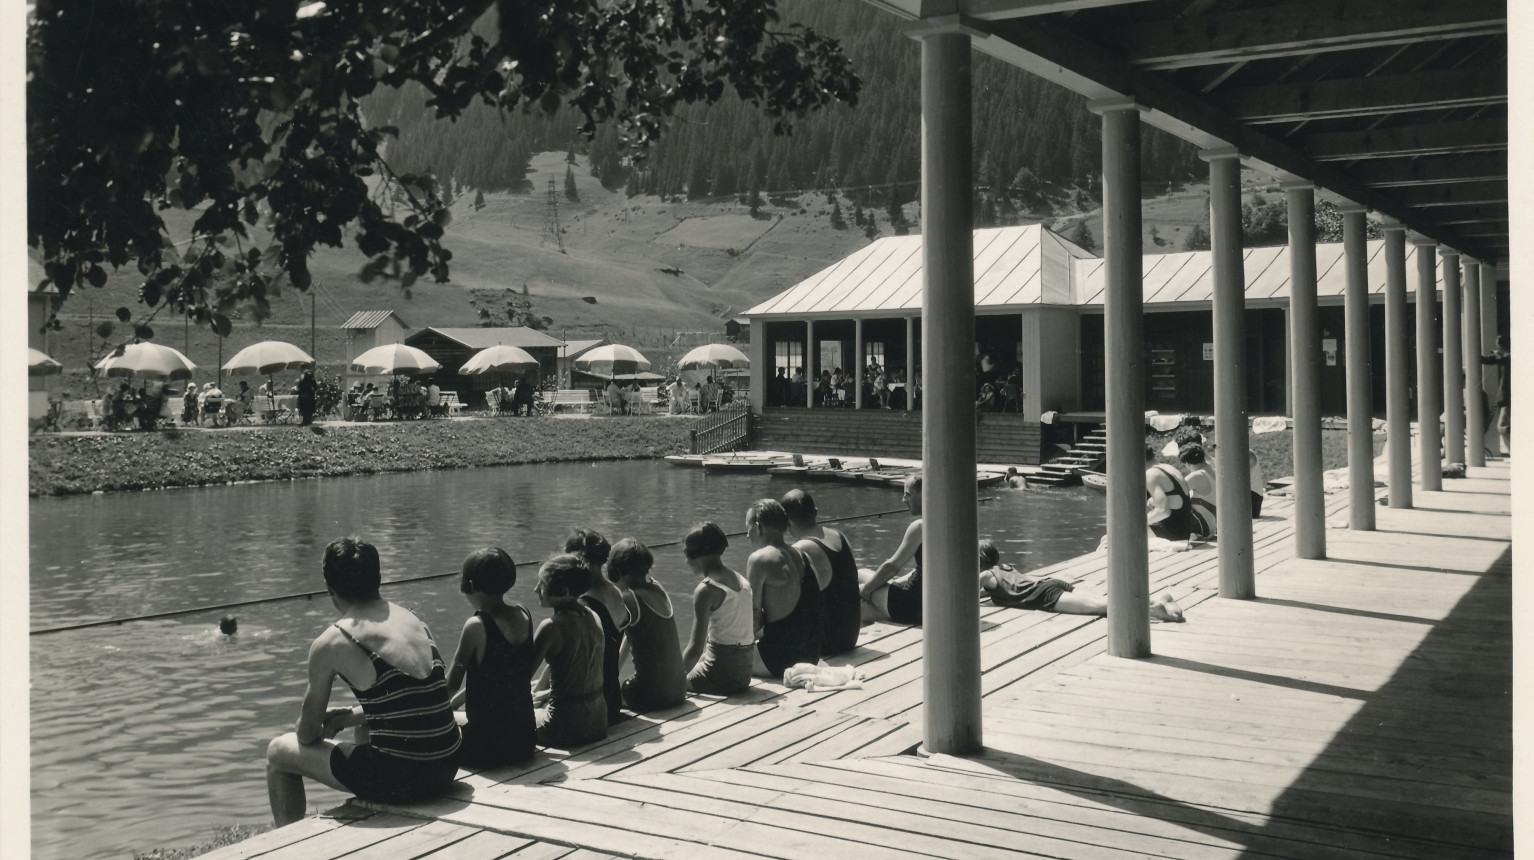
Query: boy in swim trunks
<point x="1008" y="586"/>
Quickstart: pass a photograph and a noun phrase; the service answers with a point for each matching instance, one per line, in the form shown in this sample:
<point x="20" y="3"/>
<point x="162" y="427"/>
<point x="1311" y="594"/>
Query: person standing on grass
<point x="720" y="649"/>
<point x="408" y="745"/>
<point x="658" y="681"/>
<point x="787" y="604"/>
<point x="307" y="389"/>
<point x="836" y="571"/>
<point x="492" y="673"/>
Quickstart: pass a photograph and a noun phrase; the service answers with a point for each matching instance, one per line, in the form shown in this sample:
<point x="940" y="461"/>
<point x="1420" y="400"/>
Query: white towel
<point x="1163" y="423"/>
<point x="1269" y="424"/>
<point x="820" y="677"/>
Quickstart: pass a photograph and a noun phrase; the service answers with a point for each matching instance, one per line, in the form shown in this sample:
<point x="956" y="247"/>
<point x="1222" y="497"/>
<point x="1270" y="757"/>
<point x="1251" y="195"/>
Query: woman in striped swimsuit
<point x="407" y="742"/>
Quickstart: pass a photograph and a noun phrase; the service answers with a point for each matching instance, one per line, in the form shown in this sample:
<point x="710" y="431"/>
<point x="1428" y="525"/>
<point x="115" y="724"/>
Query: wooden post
<point x="761" y="372"/>
<point x="1453" y="361"/>
<point x="1475" y="398"/>
<point x="810" y="377"/>
<point x="857" y="363"/>
<point x="1489" y="329"/>
<point x="1397" y="378"/>
<point x="1232" y="494"/>
<point x="1124" y="382"/>
<point x="910" y="363"/>
<point x="1429" y="387"/>
<point x="1360" y="385"/>
<point x="951" y="615"/>
<point x="1305" y="387"/>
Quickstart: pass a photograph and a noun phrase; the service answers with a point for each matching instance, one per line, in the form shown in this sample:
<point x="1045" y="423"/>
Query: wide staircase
<point x="1089" y="453"/>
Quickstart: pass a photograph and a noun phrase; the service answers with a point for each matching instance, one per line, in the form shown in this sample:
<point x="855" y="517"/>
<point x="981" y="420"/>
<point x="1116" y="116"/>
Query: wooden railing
<point x="729" y="429"/>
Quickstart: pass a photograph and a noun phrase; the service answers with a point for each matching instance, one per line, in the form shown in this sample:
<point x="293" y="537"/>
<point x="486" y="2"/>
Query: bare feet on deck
<point x="1164" y="608"/>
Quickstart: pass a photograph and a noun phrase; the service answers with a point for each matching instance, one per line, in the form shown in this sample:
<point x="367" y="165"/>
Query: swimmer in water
<point x="228" y="625"/>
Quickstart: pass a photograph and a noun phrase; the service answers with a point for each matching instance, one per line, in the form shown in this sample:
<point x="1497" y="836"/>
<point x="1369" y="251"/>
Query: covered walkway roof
<point x="1397" y="105"/>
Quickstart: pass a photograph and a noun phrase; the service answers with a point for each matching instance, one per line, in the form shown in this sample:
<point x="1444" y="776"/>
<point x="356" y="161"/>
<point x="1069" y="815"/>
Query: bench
<point x="575" y="398"/>
<point x="645" y="403"/>
<point x="448" y="404"/>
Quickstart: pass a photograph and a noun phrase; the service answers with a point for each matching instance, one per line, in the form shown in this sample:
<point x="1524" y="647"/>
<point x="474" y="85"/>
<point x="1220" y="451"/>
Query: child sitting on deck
<point x="658" y="681"/>
<point x="1008" y="586"/>
<point x="492" y="672"/>
<point x="571" y="642"/>
<point x="719" y="651"/>
<point x="613" y="607"/>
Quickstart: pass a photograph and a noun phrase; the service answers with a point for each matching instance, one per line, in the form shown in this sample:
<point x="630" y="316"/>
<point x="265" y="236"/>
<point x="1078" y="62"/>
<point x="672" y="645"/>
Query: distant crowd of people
<point x="560" y="682"/>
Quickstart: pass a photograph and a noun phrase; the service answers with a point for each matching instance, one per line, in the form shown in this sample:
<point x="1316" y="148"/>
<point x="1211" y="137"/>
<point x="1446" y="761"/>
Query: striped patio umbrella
<point x="499" y="359"/>
<point x="39" y="363"/>
<point x="394" y="358"/>
<point x="611" y="360"/>
<point x="720" y="356"/>
<point x="149" y="360"/>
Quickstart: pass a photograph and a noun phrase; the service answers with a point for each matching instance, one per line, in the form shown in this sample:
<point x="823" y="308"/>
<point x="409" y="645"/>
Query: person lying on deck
<point x="888" y="597"/>
<point x="407" y="746"/>
<point x="785" y="592"/>
<point x="1008" y="586"/>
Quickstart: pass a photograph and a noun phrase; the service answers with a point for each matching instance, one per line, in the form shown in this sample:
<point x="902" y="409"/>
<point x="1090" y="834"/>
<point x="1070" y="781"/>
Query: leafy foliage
<point x="250" y="113"/>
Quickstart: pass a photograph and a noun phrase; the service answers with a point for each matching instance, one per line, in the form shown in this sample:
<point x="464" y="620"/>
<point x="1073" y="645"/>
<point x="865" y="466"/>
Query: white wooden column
<point x="1475" y="398"/>
<point x="1359" y="380"/>
<point x="1232" y="491"/>
<point x="810" y="373"/>
<point x="1453" y="360"/>
<point x="1305" y="387"/>
<point x="761" y="370"/>
<point x="1397" y="377"/>
<point x="951" y="614"/>
<point x="910" y="363"/>
<point x="857" y="363"/>
<point x="1124" y="381"/>
<point x="1489" y="329"/>
<point x="1429" y="387"/>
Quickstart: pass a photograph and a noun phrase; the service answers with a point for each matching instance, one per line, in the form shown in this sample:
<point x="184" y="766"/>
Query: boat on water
<point x="1093" y="480"/>
<point x="986" y="478"/>
<point x="691" y="461"/>
<point x="821" y="472"/>
<point x="743" y="464"/>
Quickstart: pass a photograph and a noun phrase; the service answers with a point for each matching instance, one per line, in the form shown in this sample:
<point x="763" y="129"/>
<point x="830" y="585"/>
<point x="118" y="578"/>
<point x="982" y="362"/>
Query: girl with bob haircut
<point x="492" y="673"/>
<point x="613" y="608"/>
<point x="570" y="641"/>
<point x="723" y="640"/>
<point x="658" y="681"/>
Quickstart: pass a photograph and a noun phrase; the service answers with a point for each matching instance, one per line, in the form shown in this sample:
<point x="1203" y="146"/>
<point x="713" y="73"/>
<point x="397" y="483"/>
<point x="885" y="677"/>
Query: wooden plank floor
<point x="1360" y="707"/>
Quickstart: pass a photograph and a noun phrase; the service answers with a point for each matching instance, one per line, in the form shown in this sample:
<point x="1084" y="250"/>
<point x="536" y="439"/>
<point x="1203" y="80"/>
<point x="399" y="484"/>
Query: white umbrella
<point x="149" y="360"/>
<point x="394" y="358"/>
<point x="39" y="363"/>
<point x="715" y="355"/>
<point x="499" y="359"/>
<point x="611" y="360"/>
<point x="266" y="358"/>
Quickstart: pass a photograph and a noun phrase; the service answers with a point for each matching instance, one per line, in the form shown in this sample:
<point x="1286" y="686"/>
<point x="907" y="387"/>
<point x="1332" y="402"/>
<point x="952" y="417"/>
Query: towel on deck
<point x="820" y="677"/>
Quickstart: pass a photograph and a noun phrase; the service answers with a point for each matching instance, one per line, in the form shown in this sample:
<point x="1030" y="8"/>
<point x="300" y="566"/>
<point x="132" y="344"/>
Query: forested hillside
<point x="1030" y="136"/>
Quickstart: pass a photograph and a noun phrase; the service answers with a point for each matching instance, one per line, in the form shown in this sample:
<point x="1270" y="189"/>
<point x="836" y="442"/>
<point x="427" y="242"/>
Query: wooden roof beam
<point x="1479" y="213"/>
<point x="1488" y="230"/>
<point x="1392" y="173"/>
<point x="1452" y="194"/>
<point x="1309" y="26"/>
<point x="1441" y="138"/>
<point x="1043" y="48"/>
<point x="1386" y="94"/>
<point x="996" y="10"/>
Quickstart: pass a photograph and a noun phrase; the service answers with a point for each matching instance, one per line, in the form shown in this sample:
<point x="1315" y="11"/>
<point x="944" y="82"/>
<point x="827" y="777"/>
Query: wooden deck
<point x="1360" y="707"/>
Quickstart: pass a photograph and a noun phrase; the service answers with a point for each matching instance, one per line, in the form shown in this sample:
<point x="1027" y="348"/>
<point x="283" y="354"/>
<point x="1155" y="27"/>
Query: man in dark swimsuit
<point x="836" y="570"/>
<point x="785" y="592"/>
<point x="1168" y="505"/>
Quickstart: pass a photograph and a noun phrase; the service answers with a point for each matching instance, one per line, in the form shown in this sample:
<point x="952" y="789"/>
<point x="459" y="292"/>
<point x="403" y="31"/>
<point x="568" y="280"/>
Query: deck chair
<point x="1011" y="398"/>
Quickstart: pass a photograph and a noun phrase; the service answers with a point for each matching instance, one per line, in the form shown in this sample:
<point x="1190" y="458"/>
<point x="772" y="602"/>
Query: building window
<point x="788" y="355"/>
<point x="873" y="353"/>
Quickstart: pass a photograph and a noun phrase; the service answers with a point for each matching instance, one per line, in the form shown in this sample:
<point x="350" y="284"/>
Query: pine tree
<point x="858" y="217"/>
<point x="837" y="220"/>
<point x="1082" y="235"/>
<point x="754" y="197"/>
<point x="896" y="211"/>
<point x="1197" y="239"/>
<point x="571" y="192"/>
<point x="479" y="200"/>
